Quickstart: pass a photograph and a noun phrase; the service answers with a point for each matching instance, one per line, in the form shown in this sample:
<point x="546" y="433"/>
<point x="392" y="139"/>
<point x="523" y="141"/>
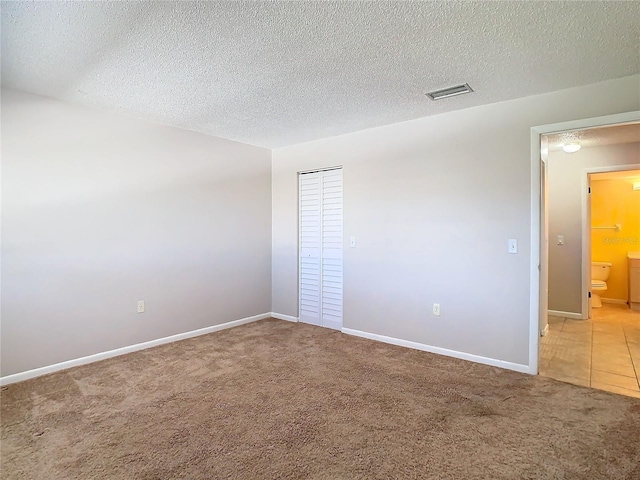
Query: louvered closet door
<point x="309" y="242"/>
<point x="321" y="248"/>
<point x="331" y="258"/>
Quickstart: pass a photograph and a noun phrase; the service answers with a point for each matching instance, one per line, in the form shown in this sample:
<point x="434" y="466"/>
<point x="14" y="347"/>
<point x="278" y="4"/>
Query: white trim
<point x="571" y="315"/>
<point x="36" y="372"/>
<point x="534" y="265"/>
<point x="440" y="351"/>
<point x="616" y="301"/>
<point x="534" y="276"/>
<point x="316" y="170"/>
<point x="281" y="316"/>
<point x="544" y="331"/>
<point x="585" y="268"/>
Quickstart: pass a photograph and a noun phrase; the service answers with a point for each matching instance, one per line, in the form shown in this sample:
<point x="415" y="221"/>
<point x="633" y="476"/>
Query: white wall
<point x="432" y="203"/>
<point x="566" y="173"/>
<point x="100" y="211"/>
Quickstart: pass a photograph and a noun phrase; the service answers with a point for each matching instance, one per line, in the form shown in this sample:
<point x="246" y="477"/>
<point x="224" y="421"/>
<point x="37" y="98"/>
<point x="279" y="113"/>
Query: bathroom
<point x="592" y="188"/>
<point x="615" y="239"/>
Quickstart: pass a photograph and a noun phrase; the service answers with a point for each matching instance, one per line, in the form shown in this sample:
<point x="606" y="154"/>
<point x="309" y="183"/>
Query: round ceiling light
<point x="571" y="147"/>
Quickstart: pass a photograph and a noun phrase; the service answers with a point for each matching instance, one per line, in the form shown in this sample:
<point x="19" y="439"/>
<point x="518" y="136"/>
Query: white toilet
<point x="599" y="276"/>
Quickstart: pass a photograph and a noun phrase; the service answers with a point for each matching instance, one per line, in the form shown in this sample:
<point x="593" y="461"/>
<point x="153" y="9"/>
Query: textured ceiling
<point x="596" y="137"/>
<point x="278" y="73"/>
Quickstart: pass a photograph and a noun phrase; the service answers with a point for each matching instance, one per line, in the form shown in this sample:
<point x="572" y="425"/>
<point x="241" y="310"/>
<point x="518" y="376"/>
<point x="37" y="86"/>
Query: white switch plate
<point x="141" y="306"/>
<point x="352" y="242"/>
<point x="560" y="240"/>
<point x="513" y="245"/>
<point x="436" y="309"/>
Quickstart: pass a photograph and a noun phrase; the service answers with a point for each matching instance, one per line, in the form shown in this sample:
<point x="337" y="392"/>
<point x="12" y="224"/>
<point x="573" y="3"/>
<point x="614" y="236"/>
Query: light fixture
<point x="449" y="92"/>
<point x="571" y="147"/>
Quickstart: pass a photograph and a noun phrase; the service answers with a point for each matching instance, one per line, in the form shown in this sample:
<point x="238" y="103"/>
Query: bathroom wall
<point x="613" y="201"/>
<point x="565" y="217"/>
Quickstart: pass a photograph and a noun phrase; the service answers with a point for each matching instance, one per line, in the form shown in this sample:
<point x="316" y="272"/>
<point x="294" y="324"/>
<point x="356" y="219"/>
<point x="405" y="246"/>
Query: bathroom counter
<point x="633" y="255"/>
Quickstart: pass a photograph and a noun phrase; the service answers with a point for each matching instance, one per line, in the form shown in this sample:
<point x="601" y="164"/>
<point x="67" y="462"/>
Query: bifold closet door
<point x="320" y="248"/>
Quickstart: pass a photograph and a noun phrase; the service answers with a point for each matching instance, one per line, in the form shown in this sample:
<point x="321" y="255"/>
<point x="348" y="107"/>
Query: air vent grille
<point x="450" y="92"/>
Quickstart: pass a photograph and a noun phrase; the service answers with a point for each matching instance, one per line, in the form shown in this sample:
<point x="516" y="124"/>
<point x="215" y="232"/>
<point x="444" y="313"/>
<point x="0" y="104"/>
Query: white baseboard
<point x="37" y="372"/>
<point x="281" y="316"/>
<point x="617" y="301"/>
<point x="441" y="351"/>
<point x="571" y="315"/>
<point x="544" y="331"/>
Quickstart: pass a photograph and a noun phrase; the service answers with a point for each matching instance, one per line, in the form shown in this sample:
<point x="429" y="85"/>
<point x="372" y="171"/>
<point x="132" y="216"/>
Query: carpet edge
<point x="96" y="357"/>
<point x="518" y="367"/>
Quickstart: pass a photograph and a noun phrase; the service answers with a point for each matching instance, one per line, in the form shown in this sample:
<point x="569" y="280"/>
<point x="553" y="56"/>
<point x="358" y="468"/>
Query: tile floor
<point x="602" y="352"/>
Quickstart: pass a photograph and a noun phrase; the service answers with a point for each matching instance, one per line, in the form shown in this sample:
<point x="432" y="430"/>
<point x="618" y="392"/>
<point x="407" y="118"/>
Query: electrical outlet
<point x="141" y="306"/>
<point x="436" y="309"/>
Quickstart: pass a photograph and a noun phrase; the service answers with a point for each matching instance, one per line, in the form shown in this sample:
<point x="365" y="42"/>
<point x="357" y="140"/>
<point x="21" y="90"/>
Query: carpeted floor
<point x="275" y="399"/>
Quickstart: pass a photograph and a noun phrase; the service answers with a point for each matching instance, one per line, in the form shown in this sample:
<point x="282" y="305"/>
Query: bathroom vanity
<point x="634" y="280"/>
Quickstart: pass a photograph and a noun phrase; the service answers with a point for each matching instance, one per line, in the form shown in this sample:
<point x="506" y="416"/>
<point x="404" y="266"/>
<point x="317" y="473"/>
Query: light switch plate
<point x="560" y="240"/>
<point x="513" y="245"/>
<point x="352" y="242"/>
<point x="141" y="306"/>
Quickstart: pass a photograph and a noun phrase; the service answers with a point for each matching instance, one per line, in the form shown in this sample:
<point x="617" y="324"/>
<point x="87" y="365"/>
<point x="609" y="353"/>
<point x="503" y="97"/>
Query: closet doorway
<point x="320" y="243"/>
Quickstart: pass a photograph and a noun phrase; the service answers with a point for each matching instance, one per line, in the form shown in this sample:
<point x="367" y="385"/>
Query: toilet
<point x="599" y="276"/>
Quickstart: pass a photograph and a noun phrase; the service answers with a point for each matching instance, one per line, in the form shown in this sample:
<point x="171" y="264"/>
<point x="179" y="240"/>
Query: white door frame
<point x="544" y="237"/>
<point x="534" y="293"/>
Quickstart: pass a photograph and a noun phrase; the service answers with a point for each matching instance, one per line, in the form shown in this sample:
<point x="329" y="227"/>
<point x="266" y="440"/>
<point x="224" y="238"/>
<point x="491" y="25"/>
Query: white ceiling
<point x="278" y="73"/>
<point x="596" y="137"/>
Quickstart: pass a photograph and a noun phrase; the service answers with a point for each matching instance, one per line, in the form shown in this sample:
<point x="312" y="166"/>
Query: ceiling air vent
<point x="450" y="92"/>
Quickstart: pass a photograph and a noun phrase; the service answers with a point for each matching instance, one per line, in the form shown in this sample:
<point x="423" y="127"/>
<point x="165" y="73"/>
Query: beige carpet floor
<point x="275" y="399"/>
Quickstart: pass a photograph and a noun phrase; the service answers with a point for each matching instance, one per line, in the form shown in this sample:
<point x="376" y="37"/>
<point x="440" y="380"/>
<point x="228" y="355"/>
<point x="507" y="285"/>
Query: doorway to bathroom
<point x="590" y="219"/>
<point x="613" y="231"/>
